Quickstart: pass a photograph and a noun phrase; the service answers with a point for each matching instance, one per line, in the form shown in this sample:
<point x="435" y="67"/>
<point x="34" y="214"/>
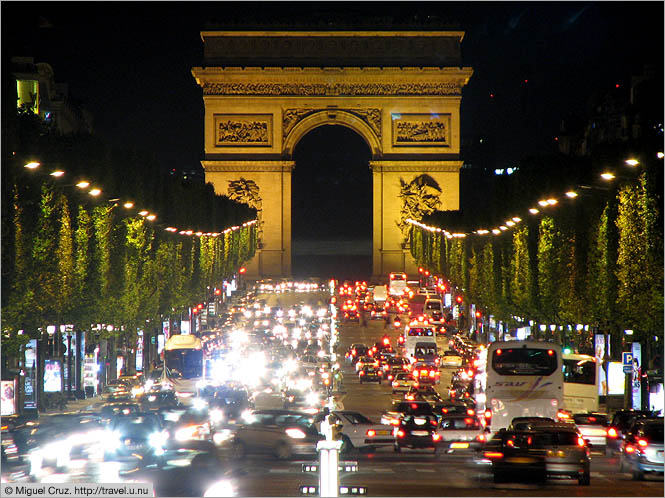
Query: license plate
<point x="382" y="433"/>
<point x="420" y="433"/>
<point x="520" y="460"/>
<point x="459" y="445"/>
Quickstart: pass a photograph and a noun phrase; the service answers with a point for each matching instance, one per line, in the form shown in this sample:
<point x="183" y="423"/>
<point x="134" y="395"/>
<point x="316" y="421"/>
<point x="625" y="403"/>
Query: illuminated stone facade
<point x="400" y="91"/>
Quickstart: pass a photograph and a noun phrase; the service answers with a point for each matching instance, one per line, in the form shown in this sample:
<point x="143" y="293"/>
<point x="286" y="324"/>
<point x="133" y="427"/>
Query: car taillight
<point x="580" y="441"/>
<point x="394" y="422"/>
<point x="466" y="395"/>
<point x="643" y="443"/>
<point x="362" y="373"/>
<point x="415" y="373"/>
<point x="395" y="384"/>
<point x="493" y="454"/>
<point x="400" y="433"/>
<point x="612" y="432"/>
<point x="480" y="437"/>
<point x="436" y="437"/>
<point x="488" y="413"/>
<point x="432" y="373"/>
<point x="371" y="433"/>
<point x="629" y="449"/>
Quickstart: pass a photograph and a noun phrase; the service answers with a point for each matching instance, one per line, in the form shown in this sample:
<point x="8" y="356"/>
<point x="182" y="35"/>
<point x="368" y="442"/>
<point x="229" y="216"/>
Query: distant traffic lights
<point x="459" y="299"/>
<point x="478" y="314"/>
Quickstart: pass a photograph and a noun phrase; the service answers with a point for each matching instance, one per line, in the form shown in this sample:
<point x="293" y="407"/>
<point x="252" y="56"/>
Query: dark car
<point x="567" y="453"/>
<point x="643" y="448"/>
<point x="400" y="409"/>
<point x="621" y="422"/>
<point x="452" y="407"/>
<point x="370" y="373"/>
<point x="355" y="352"/>
<point x="139" y="435"/>
<point x="417" y="432"/>
<point x="515" y="456"/>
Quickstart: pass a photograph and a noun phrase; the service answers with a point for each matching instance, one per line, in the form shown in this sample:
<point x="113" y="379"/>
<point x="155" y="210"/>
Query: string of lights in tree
<point x="515" y="220"/>
<point x="96" y="192"/>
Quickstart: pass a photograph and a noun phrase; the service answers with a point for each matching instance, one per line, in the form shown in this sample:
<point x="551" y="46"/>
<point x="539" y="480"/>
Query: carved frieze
<point x="421" y="129"/>
<point x="243" y="130"/>
<point x="334" y="89"/>
<point x="291" y="117"/>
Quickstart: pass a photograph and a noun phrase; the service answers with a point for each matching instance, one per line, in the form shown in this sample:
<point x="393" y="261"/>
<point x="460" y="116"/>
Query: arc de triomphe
<point x="399" y="90"/>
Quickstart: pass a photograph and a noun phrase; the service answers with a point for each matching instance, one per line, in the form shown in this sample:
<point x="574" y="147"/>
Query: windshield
<point x="654" y="432"/>
<point x="425" y="350"/>
<point x="524" y="361"/>
<point x="433" y="305"/>
<point x="579" y="371"/>
<point x="184" y="363"/>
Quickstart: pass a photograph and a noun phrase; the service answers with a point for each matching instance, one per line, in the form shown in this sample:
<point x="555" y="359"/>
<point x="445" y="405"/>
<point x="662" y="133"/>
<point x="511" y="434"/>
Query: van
<point x="433" y="308"/>
<point x="427" y="352"/>
<point x="380" y="294"/>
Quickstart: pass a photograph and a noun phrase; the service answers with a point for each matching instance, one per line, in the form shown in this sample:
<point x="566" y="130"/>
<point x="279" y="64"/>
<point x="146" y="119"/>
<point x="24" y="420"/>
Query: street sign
<point x="627" y="357"/>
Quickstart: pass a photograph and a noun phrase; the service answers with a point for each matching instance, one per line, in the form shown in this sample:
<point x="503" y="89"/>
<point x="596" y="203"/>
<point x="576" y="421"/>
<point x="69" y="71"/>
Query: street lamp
<point x="83" y="184"/>
<point x="607" y="176"/>
<point x="32" y="165"/>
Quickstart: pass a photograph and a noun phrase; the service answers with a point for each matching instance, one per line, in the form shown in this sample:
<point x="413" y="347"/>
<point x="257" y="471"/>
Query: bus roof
<point x="183" y="342"/>
<point x="576" y="356"/>
<point x="524" y="344"/>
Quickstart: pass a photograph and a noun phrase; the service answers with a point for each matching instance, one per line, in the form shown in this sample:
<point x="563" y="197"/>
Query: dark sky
<point x="129" y="63"/>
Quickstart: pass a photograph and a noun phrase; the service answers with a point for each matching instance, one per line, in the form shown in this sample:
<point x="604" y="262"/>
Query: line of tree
<point x="596" y="259"/>
<point x="70" y="258"/>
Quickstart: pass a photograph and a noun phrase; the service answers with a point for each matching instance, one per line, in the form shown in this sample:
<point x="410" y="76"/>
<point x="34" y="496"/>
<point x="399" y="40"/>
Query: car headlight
<point x="295" y="433"/>
<point x="111" y="440"/>
<point x="220" y="488"/>
<point x="216" y="416"/>
<point x="185" y="433"/>
<point x="158" y="439"/>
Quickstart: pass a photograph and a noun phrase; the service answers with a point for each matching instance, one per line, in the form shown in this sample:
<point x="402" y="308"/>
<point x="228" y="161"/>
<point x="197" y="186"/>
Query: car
<point x="403" y="382"/>
<point x="460" y="432"/>
<point x="355" y="352"/>
<point x="453" y="407"/>
<point x="138" y="436"/>
<point x="567" y="453"/>
<point x="399" y="408"/>
<point x="378" y="313"/>
<point x="116" y="392"/>
<point x="593" y="427"/>
<point x="423" y="393"/>
<point x="370" y="373"/>
<point x="358" y="431"/>
<point x="366" y="360"/>
<point x="425" y="373"/>
<point x="451" y="359"/>
<point x="111" y="409"/>
<point x="643" y="448"/>
<point x="621" y="422"/>
<point x="280" y="433"/>
<point x="398" y="363"/>
<point x="416" y="432"/>
<point x="514" y="456"/>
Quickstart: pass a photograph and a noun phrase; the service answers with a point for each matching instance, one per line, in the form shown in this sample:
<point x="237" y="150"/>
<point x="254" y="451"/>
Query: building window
<point x="28" y="94"/>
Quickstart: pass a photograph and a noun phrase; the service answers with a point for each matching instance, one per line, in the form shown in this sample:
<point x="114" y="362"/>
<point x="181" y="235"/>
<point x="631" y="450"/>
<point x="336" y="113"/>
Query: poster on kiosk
<point x="8" y="402"/>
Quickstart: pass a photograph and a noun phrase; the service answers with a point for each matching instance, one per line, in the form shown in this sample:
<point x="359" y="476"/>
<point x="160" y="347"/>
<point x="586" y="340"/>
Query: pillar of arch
<point x="400" y="91"/>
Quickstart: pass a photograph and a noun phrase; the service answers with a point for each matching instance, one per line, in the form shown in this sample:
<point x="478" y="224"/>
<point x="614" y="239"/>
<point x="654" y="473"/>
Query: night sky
<point x="534" y="64"/>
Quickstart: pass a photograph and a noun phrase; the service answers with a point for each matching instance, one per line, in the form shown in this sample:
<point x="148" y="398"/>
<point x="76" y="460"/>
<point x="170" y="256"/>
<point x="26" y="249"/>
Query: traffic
<point x="242" y="408"/>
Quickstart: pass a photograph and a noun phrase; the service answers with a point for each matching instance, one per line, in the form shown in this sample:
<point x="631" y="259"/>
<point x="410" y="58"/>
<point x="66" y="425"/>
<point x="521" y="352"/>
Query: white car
<point x="460" y="432"/>
<point x="358" y="431"/>
<point x="451" y="359"/>
<point x="366" y="360"/>
<point x="403" y="382"/>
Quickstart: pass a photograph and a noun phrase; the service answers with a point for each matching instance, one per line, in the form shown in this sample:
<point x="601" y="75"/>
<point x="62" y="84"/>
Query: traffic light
<point x="218" y="292"/>
<point x="478" y="314"/>
<point x="242" y="270"/>
<point x="459" y="299"/>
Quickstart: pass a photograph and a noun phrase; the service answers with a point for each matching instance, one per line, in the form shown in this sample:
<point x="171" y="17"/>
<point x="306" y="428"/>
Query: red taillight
<point x="390" y="377"/>
<point x="353" y="352"/>
<point x="466" y="395"/>
<point x="415" y="373"/>
<point x="468" y="421"/>
<point x="400" y="433"/>
<point x="580" y="441"/>
<point x="394" y="422"/>
<point x="480" y="437"/>
<point x="630" y="449"/>
<point x="643" y="443"/>
<point x="493" y="454"/>
<point x="550" y="352"/>
<point x="510" y="443"/>
<point x="436" y="436"/>
<point x="371" y="433"/>
<point x="386" y="341"/>
<point x="471" y="412"/>
<point x="444" y="410"/>
<point x="612" y="432"/>
<point x="362" y="372"/>
<point x="488" y="413"/>
<point x="432" y="373"/>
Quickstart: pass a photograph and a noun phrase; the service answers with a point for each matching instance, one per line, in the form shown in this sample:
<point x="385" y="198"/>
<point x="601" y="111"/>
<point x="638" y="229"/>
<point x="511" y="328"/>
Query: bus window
<point x="421" y="332"/>
<point x="524" y="361"/>
<point x="184" y="363"/>
<point x="579" y="371"/>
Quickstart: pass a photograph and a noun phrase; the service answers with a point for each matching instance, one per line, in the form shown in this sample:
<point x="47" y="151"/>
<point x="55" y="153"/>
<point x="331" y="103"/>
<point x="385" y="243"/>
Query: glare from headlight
<point x="220" y="488"/>
<point x="158" y="439"/>
<point x="111" y="439"/>
<point x="295" y="433"/>
<point x="221" y="436"/>
<point x="216" y="416"/>
<point x="183" y="434"/>
<point x="312" y="399"/>
<point x="199" y="404"/>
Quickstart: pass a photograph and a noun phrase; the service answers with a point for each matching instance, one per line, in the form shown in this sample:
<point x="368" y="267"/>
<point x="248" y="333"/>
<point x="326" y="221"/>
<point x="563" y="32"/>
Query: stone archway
<point x="400" y="91"/>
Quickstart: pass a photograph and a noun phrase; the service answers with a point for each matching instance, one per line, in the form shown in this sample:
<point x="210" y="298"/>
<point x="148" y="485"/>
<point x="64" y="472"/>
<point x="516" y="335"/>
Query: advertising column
<point x="30" y="379"/>
<point x="637" y="376"/>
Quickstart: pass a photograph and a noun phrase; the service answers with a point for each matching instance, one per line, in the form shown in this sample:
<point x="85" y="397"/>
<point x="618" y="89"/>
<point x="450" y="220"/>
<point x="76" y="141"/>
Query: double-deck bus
<point x="183" y="366"/>
<point x="518" y="379"/>
<point x="580" y="383"/>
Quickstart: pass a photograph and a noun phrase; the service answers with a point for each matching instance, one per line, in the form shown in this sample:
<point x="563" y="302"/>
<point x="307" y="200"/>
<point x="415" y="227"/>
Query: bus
<point x="397" y="284"/>
<point x="518" y="379"/>
<point x="580" y="383"/>
<point x="183" y="366"/>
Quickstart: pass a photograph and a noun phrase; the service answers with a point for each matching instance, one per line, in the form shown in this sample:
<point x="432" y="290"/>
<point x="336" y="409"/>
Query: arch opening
<point x="331" y="204"/>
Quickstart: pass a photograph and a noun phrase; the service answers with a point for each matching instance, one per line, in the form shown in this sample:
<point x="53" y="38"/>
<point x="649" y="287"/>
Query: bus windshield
<point x="420" y="332"/>
<point x="524" y="361"/>
<point x="184" y="363"/>
<point x="579" y="371"/>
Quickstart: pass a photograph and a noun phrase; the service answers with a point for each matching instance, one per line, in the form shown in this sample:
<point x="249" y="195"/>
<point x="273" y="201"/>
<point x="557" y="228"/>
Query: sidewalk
<point x="77" y="405"/>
